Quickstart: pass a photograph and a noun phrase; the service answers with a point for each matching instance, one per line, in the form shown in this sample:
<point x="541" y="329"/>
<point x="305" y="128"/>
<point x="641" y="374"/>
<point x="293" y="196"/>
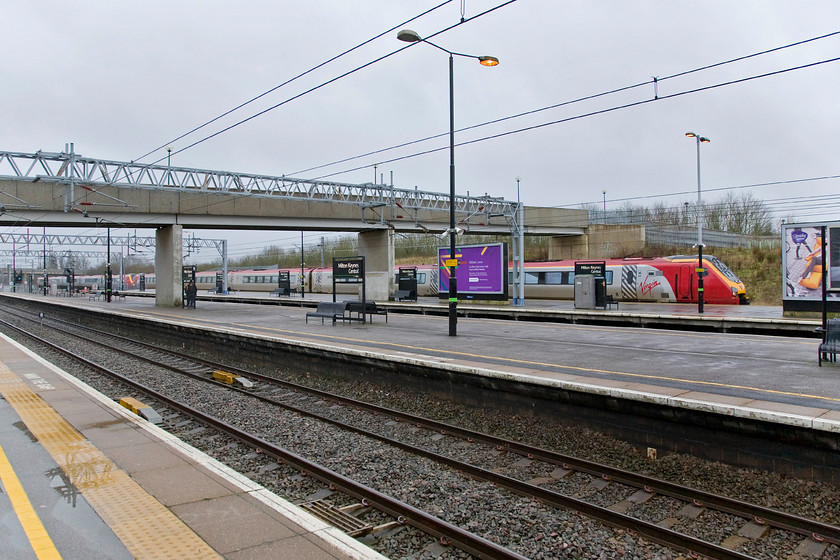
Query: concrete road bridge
<point x="65" y="189"/>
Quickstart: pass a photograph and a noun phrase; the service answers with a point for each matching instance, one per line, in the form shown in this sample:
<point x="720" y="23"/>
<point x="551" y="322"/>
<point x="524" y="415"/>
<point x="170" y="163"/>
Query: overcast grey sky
<point x="122" y="78"/>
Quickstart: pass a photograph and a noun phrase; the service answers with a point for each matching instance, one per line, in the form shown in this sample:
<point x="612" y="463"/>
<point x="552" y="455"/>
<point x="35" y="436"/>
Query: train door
<point x="684" y="284"/>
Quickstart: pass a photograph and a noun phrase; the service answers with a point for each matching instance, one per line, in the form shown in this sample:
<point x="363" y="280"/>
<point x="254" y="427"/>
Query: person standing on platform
<point x="192" y="290"/>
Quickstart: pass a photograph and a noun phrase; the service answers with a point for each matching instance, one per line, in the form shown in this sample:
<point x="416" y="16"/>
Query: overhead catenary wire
<point x="588" y="114"/>
<point x="654" y="81"/>
<point x="290" y="80"/>
<point x="330" y="81"/>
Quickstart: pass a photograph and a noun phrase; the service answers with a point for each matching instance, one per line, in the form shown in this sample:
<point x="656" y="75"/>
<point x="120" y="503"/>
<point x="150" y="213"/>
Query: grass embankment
<point x="760" y="270"/>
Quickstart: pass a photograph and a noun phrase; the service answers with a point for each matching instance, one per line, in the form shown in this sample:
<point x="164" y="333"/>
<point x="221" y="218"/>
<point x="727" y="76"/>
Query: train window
<point x="609" y="276"/>
<point x="571" y="278"/>
<point x="532" y="278"/>
<point x="554" y="277"/>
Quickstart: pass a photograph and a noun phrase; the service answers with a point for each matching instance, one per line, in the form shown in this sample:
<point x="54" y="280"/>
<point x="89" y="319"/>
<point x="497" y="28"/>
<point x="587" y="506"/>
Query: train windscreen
<point x="724" y="269"/>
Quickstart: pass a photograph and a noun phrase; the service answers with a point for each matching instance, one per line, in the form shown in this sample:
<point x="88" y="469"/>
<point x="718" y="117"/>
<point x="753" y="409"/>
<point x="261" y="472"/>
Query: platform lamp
<point x="108" y="280"/>
<point x="700" y="140"/>
<point x="410" y="36"/>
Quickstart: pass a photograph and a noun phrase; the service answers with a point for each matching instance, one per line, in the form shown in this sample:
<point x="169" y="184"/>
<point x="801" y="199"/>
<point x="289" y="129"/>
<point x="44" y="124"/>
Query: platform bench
<point x="831" y="345"/>
<point x="284" y="292"/>
<point x="370" y="308"/>
<point x="610" y="301"/>
<point x="402" y="295"/>
<point x="328" y="310"/>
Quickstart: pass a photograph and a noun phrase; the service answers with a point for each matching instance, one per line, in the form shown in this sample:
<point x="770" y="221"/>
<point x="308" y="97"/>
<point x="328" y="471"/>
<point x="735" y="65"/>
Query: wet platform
<point x="84" y="478"/>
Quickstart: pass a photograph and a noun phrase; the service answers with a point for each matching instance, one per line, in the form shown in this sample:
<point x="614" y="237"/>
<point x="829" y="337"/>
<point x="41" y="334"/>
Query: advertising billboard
<point x="803" y="267"/>
<point x="481" y="273"/>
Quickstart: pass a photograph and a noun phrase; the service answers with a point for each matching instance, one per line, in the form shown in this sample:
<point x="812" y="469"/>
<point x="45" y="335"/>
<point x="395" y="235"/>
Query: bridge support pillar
<point x="377" y="247"/>
<point x="168" y="259"/>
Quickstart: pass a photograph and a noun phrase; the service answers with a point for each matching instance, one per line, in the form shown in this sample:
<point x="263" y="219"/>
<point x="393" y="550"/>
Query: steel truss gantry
<point x="72" y="169"/>
<point x="39" y="240"/>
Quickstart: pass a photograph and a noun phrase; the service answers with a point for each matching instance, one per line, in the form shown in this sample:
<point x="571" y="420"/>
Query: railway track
<point x="541" y="475"/>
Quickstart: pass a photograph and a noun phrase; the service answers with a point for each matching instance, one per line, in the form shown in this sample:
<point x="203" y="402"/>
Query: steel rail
<point x="651" y="531"/>
<point x="405" y="513"/>
<point x="774" y="518"/>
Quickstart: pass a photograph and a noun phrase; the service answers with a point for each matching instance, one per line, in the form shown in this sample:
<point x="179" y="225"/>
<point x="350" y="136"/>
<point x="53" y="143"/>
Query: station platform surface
<point x="82" y="477"/>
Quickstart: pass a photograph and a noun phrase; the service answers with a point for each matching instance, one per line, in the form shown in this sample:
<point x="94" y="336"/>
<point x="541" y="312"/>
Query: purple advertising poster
<point x="481" y="271"/>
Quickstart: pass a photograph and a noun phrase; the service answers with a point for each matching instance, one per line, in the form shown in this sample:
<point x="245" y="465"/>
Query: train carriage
<point x="659" y="279"/>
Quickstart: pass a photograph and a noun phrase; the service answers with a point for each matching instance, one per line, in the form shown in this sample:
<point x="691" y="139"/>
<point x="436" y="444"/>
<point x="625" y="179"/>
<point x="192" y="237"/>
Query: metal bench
<point x="831" y="342"/>
<point x="283" y="292"/>
<point x="403" y="295"/>
<point x="369" y="308"/>
<point x="328" y="310"/>
<point x="610" y="301"/>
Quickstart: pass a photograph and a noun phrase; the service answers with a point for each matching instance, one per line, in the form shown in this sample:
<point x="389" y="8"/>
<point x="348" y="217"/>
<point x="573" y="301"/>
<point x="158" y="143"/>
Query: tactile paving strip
<point x="144" y="525"/>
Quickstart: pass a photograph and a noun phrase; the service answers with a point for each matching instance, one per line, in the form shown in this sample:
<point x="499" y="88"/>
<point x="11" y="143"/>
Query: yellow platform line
<point x="144" y="525"/>
<point x="38" y="537"/>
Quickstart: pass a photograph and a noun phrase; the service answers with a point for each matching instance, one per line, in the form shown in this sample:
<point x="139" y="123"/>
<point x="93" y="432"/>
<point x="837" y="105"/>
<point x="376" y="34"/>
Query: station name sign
<point x="598" y="268"/>
<point x="349" y="269"/>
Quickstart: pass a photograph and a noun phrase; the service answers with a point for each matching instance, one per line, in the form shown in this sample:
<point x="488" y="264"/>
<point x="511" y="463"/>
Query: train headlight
<point x="734" y="291"/>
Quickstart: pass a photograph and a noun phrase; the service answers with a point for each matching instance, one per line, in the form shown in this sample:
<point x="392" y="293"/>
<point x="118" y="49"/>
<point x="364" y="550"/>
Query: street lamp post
<point x="410" y="36"/>
<point x="519" y="266"/>
<point x="302" y="283"/>
<point x="108" y="278"/>
<point x="46" y="287"/>
<point x="703" y="140"/>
